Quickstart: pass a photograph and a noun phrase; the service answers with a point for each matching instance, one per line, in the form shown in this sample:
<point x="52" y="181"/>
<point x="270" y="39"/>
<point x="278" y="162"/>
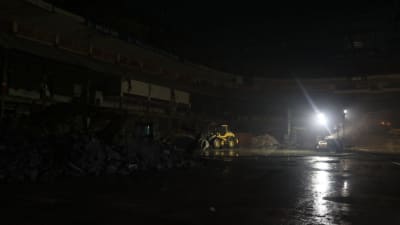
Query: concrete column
<point x="121" y="94"/>
<point x="15" y="27"/>
<point x="4" y="82"/>
<point x="149" y="99"/>
<point x="87" y="105"/>
<point x="289" y="123"/>
<point x="57" y="40"/>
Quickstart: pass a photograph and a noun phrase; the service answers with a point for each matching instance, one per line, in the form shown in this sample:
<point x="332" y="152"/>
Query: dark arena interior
<point x="125" y="112"/>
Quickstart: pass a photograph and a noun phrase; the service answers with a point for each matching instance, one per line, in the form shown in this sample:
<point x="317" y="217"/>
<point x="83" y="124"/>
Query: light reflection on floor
<point x="323" y="185"/>
<point x="321" y="166"/>
<point x="320" y="187"/>
<point x="345" y="189"/>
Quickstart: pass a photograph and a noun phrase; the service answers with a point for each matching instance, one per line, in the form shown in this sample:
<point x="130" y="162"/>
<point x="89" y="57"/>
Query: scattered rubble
<point x="40" y="153"/>
<point x="264" y="141"/>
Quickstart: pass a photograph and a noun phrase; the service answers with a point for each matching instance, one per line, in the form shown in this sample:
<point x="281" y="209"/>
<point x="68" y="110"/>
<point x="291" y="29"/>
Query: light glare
<point x="321" y="119"/>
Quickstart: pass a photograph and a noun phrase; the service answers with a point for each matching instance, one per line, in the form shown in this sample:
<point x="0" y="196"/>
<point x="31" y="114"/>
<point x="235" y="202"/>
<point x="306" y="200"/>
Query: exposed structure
<point x="73" y="60"/>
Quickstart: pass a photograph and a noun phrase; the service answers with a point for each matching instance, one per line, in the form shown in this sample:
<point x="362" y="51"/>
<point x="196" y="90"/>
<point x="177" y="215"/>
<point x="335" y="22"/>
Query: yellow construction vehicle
<point x="217" y="137"/>
<point x="220" y="136"/>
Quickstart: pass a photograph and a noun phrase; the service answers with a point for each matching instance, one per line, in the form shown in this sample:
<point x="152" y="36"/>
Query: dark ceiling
<point x="330" y="38"/>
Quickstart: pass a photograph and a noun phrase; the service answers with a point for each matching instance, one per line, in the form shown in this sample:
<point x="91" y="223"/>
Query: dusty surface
<point x="347" y="188"/>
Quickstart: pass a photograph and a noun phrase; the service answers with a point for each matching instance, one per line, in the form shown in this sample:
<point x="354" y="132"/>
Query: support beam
<point x="4" y="82"/>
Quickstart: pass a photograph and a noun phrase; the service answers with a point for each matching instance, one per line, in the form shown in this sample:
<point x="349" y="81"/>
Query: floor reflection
<point x="322" y="166"/>
<point x="321" y="182"/>
<point x="322" y="163"/>
<point x="345" y="189"/>
<point x="321" y="186"/>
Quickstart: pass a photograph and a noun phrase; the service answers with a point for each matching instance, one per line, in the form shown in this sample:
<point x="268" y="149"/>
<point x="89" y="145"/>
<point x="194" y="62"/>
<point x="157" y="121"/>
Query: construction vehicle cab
<point x="222" y="136"/>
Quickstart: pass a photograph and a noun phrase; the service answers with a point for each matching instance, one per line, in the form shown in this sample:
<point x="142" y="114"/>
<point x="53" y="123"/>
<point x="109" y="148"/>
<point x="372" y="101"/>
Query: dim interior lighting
<point x="321" y="119"/>
<point x="386" y="123"/>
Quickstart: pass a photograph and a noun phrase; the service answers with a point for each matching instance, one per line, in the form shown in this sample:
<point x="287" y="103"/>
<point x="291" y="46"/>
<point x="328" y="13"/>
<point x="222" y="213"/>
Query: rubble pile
<point x="29" y="154"/>
<point x="264" y="141"/>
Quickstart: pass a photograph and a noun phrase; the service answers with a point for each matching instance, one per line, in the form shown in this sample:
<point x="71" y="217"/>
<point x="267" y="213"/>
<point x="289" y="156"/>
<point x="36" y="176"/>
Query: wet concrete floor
<point x="346" y="188"/>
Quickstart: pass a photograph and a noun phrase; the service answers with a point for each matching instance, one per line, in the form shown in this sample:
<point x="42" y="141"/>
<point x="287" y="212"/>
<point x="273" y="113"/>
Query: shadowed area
<point x="343" y="189"/>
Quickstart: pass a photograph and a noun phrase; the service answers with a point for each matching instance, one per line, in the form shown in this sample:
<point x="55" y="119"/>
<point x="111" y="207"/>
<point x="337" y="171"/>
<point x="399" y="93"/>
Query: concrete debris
<point x="264" y="141"/>
<point x="181" y="142"/>
<point x="42" y="154"/>
<point x="245" y="139"/>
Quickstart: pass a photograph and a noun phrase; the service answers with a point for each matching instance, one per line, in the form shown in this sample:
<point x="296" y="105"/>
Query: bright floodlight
<point x="321" y="119"/>
<point x="345" y="111"/>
